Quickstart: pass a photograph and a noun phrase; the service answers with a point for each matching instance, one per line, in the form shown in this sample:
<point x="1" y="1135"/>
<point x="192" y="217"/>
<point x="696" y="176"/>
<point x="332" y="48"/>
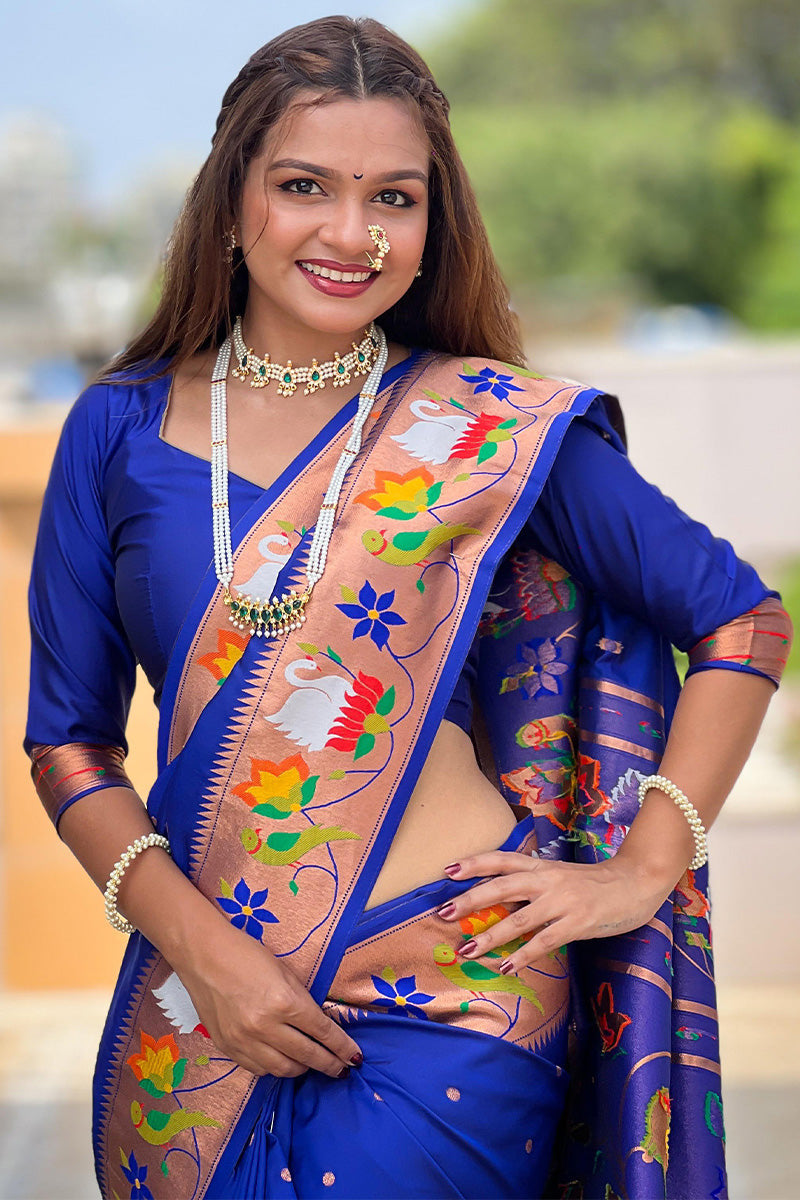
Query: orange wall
<point x="53" y="933"/>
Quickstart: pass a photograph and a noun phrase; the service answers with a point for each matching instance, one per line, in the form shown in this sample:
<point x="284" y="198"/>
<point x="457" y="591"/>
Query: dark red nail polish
<point x="506" y="967"/>
<point x="468" y="948"/>
<point x="446" y="910"/>
<point x="357" y="1059"/>
<point x="451" y="870"/>
<point x="345" y="1071"/>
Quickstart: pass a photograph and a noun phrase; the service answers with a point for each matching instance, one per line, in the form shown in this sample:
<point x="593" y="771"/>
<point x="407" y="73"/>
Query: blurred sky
<point x="137" y="82"/>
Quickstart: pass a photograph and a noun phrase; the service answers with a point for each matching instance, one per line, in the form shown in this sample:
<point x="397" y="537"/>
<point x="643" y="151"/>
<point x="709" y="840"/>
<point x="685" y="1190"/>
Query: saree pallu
<point x="284" y="770"/>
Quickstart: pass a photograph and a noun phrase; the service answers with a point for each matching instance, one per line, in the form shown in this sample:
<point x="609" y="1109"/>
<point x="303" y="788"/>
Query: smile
<point x="338" y="276"/>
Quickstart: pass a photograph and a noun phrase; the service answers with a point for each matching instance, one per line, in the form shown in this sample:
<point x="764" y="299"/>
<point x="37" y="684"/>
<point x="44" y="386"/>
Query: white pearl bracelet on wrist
<point x="687" y="808"/>
<point x="113" y="916"/>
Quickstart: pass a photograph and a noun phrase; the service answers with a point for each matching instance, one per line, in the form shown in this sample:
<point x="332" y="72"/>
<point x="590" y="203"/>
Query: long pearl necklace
<point x="268" y="617"/>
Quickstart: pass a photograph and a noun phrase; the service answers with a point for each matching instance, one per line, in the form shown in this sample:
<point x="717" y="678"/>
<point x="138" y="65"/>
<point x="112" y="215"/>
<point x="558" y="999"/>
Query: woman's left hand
<point x="556" y="901"/>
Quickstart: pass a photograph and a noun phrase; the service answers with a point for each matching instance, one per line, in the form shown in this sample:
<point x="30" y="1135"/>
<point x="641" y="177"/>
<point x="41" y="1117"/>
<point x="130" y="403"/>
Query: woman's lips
<point x="337" y="287"/>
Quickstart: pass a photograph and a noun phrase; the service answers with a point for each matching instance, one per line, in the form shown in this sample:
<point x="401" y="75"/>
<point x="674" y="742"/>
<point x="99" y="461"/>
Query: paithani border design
<point x="760" y="638"/>
<point x="64" y="774"/>
<point x="265" y="676"/>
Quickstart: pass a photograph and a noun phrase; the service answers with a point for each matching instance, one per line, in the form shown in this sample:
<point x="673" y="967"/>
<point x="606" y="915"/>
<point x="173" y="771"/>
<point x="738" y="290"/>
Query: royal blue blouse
<point x="125" y="539"/>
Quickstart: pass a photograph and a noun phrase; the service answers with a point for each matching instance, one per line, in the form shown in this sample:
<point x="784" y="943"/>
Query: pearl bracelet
<point x="687" y="808"/>
<point x="113" y="916"/>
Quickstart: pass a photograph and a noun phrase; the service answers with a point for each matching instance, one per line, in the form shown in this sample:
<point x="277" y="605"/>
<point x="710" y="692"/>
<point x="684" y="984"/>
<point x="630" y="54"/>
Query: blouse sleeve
<point x="82" y="666"/>
<point x="623" y="539"/>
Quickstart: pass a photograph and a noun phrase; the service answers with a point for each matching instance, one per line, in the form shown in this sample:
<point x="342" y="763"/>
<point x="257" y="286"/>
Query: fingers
<point x="503" y="888"/>
<point x="269" y="1063"/>
<point x="311" y="1020"/>
<point x="517" y="928"/>
<point x="551" y="938"/>
<point x="298" y="1046"/>
<point x="495" y="862"/>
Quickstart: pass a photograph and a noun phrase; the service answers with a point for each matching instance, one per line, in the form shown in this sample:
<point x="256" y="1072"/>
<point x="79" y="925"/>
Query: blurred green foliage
<point x="650" y="148"/>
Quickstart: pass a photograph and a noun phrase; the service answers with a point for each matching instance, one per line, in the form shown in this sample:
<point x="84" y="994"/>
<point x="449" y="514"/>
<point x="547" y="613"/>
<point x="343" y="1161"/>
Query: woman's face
<point x="306" y="203"/>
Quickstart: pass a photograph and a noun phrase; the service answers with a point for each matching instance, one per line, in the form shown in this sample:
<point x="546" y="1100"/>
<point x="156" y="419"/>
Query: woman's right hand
<point x="256" y="1010"/>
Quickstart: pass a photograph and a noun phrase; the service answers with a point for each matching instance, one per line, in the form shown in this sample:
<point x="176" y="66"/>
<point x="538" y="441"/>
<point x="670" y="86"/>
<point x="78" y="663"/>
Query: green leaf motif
<point x="389" y="975"/>
<point x="202" y="1060"/>
<point x="269" y="810"/>
<point x="151" y="1088"/>
<point x="435" y="492"/>
<point x="348" y="595"/>
<point x="338" y="774"/>
<point x="364" y="745"/>
<point x="461" y="478"/>
<point x="307" y="789"/>
<point x="457" y="404"/>
<point x="336" y="657"/>
<point x="509" y="424"/>
<point x="432" y="395"/>
<point x="293" y="887"/>
<point x="397" y="514"/>
<point x="386" y="702"/>
<point x="225" y="889"/>
<point x="164" y="1167"/>
<point x="420" y="585"/>
<point x="464" y="1006"/>
<point x="523" y="371"/>
<point x="286" y="526"/>
<point x="308" y="647"/>
<point x="487" y="450"/>
<point x="124" y="1158"/>
<point x="178" y="1072"/>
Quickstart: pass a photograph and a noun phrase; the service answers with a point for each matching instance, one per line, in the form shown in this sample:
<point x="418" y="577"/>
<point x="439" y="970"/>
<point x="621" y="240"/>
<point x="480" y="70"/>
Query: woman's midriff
<point x="454" y="811"/>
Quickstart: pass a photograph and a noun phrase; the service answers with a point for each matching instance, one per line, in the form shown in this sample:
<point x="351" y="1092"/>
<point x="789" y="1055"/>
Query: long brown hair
<point x="460" y="303"/>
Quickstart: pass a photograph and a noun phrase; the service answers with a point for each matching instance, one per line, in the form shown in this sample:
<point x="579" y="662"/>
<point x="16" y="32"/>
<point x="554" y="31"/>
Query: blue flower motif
<point x="401" y="994"/>
<point x="372" y="614"/>
<point x="536" y="670"/>
<point x="136" y="1176"/>
<point x="245" y="909"/>
<point x="488" y="380"/>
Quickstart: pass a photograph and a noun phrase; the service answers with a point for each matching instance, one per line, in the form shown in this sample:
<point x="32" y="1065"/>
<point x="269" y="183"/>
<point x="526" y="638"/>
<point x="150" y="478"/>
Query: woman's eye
<point x="300" y="187"/>
<point x="395" y="199"/>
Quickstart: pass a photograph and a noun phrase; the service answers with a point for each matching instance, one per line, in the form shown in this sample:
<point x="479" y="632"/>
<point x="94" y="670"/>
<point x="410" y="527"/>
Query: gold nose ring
<point x="378" y="235"/>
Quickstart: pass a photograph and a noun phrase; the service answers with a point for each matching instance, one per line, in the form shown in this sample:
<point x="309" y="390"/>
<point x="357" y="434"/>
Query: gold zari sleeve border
<point x="760" y="639"/>
<point x="64" y="774"/>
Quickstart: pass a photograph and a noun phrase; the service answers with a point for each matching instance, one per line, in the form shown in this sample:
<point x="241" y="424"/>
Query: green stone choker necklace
<point x="358" y="361"/>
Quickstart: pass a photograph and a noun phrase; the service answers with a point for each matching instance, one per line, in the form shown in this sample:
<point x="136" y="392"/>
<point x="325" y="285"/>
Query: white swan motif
<point x="432" y="438"/>
<point x="309" y="713"/>
<point x="176" y="1005"/>
<point x="261" y="585"/>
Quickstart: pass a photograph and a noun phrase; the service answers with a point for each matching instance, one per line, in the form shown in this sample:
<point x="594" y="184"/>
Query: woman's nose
<point x="345" y="233"/>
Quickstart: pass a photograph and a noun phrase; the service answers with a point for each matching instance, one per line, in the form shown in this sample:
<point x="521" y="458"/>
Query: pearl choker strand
<point x="278" y="615"/>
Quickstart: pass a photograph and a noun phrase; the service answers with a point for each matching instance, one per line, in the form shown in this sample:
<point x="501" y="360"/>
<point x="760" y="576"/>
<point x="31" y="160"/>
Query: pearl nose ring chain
<point x="378" y="235"/>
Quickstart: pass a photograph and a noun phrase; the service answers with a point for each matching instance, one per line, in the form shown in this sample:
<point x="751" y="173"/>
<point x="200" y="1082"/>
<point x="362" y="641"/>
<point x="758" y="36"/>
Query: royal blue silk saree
<point x="284" y="768"/>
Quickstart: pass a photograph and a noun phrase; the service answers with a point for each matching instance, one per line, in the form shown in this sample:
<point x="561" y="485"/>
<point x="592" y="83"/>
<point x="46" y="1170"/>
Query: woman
<point x="334" y="882"/>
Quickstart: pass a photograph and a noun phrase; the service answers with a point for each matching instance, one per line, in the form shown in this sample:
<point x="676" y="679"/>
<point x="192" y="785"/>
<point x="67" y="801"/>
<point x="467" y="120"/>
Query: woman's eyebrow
<point x="296" y="164"/>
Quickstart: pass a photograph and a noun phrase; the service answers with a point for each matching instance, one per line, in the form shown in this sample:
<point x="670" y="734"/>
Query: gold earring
<point x="230" y="245"/>
<point x="378" y="235"/>
<point x="419" y="270"/>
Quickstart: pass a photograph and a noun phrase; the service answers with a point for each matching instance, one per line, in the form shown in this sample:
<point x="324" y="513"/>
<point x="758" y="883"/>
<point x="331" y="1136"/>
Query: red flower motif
<point x="474" y="436"/>
<point x="594" y="800"/>
<point x="610" y="1023"/>
<point x="362" y="717"/>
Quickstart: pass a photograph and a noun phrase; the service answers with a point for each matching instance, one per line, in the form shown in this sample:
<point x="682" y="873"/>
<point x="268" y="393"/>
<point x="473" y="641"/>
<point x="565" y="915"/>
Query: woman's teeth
<point x="339" y="276"/>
